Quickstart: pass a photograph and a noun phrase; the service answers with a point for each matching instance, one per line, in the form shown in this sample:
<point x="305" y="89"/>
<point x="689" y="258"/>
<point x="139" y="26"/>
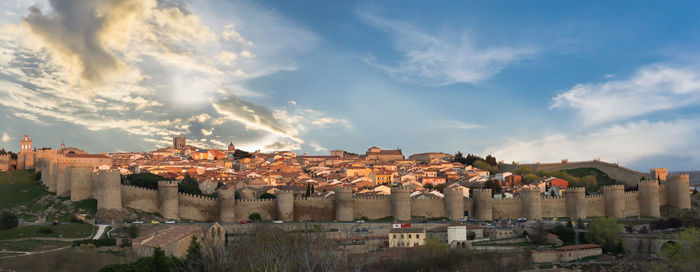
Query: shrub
<point x="133" y="231"/>
<point x="98" y="243"/>
<point x="8" y="220"/>
<point x="254" y="217"/>
<point x="46" y="230"/>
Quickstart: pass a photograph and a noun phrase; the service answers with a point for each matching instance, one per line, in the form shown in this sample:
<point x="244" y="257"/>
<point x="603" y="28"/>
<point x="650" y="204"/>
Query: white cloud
<point x="5" y="138"/>
<point x="454" y="124"/>
<point x="621" y="143"/>
<point x="441" y="60"/>
<point x="653" y="88"/>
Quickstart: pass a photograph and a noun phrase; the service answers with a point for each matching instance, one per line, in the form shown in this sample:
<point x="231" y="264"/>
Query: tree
<point x="529" y="178"/>
<point x="440" y="187"/>
<point x="8" y="220"/>
<point x="603" y="231"/>
<point x="491" y="160"/>
<point x="194" y="259"/>
<point x="240" y="154"/>
<point x="682" y="255"/>
<point x="145" y="180"/>
<point x="524" y="170"/>
<point x="133" y="231"/>
<point x="189" y="185"/>
<point x="428" y="186"/>
<point x="493" y="185"/>
<point x="486" y="166"/>
<point x="267" y="196"/>
<point x="312" y="188"/>
<point x="254" y="217"/>
<point x="308" y="190"/>
<point x="460" y="158"/>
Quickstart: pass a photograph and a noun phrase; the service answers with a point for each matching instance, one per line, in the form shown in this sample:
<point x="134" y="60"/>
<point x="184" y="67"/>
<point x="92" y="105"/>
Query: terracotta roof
<point x="97" y="156"/>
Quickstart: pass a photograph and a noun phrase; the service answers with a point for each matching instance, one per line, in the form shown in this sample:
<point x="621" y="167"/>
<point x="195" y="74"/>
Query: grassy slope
<point x="18" y="188"/>
<point x="33" y="245"/>
<point x="75" y="230"/>
<point x="601" y="177"/>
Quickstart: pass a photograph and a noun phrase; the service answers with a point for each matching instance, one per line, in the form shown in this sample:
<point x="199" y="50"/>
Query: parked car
<point x="360" y="221"/>
<point x="242" y="222"/>
<point x="155" y="222"/>
<point x="277" y="221"/>
<point x="138" y="222"/>
<point x="170" y="222"/>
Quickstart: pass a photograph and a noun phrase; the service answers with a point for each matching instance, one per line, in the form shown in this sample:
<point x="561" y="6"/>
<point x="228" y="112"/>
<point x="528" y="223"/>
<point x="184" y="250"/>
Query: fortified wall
<point x="106" y="187"/>
<point x="613" y="170"/>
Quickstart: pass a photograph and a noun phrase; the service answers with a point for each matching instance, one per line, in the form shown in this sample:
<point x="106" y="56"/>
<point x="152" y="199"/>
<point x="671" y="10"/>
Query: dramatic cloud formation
<point x="440" y="60"/>
<point x="653" y="88"/>
<point x="153" y="69"/>
<point x="622" y="143"/>
<point x="5" y="138"/>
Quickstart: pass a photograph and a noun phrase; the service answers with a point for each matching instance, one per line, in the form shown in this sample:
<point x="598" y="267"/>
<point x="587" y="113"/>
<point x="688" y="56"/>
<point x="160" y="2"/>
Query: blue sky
<point x="525" y="81"/>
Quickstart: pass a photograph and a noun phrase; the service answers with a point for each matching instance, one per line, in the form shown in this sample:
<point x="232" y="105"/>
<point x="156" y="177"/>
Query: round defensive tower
<point x="678" y="193"/>
<point x="483" y="204"/>
<point x="42" y="168"/>
<point x="168" y="199"/>
<point x="108" y="189"/>
<point x="227" y="205"/>
<point x="576" y="202"/>
<point x="344" y="207"/>
<point x="401" y="203"/>
<point x="454" y="203"/>
<point x="53" y="168"/>
<point x="63" y="180"/>
<point x="649" y="204"/>
<point x="614" y="197"/>
<point x="532" y="203"/>
<point x="285" y="205"/>
<point x="80" y="183"/>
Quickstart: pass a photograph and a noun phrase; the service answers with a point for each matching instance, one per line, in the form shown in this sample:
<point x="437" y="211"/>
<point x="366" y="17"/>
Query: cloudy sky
<point x="524" y="81"/>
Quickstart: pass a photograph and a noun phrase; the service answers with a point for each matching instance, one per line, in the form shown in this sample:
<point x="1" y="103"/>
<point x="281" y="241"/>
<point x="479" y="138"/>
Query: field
<point x="32" y="245"/>
<point x="73" y="230"/>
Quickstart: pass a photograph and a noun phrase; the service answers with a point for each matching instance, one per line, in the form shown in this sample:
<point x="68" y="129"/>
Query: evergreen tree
<point x="194" y="259"/>
<point x="308" y="190"/>
<point x="312" y="188"/>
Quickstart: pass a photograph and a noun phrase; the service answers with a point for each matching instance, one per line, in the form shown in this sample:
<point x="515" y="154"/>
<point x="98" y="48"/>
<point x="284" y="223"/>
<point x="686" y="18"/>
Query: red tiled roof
<point x="97" y="156"/>
<point x="574" y="247"/>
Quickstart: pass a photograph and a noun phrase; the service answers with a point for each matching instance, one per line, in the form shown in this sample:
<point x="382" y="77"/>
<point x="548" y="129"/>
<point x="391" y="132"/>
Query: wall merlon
<point x="575" y="189"/>
<point x="167" y="183"/>
<point x="616" y="187"/>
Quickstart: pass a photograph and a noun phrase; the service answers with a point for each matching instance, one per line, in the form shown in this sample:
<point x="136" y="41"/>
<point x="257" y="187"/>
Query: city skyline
<point x="281" y="76"/>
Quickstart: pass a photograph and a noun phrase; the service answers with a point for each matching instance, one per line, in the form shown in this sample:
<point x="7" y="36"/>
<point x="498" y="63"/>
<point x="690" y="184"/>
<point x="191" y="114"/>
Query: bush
<point x="8" y="220"/>
<point x="267" y="196"/>
<point x="46" y="230"/>
<point x="133" y="231"/>
<point x="98" y="243"/>
<point x="254" y="217"/>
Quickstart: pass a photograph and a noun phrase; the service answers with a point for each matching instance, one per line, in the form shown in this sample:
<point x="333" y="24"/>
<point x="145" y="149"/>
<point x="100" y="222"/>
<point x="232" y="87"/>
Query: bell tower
<point x="25" y="145"/>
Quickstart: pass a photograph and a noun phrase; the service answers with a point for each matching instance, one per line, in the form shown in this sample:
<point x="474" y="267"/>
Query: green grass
<point x="19" y="188"/>
<point x="77" y="230"/>
<point x="33" y="245"/>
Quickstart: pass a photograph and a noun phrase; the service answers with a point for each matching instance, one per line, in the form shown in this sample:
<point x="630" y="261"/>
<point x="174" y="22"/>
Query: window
<point x="394" y="236"/>
<point x="401" y="236"/>
<point x="409" y="236"/>
<point x="417" y="236"/>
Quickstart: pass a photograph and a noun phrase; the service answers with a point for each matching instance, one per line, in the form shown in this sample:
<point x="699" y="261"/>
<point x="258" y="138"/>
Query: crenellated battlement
<point x="615" y="187"/>
<point x="506" y="199"/>
<point x="167" y="183"/>
<point x="481" y="191"/>
<point x="648" y="181"/>
<point x="595" y="196"/>
<point x="575" y="190"/>
<point x="371" y="197"/>
<point x="530" y="191"/>
<point x="552" y="197"/>
<point x="195" y="196"/>
<point x="632" y="193"/>
<point x="678" y="177"/>
<point x="254" y="200"/>
<point x="313" y="198"/>
<point x="226" y="193"/>
<point x="342" y="189"/>
<point x="132" y="187"/>
<point x="401" y="190"/>
<point x="285" y="192"/>
<point x="453" y="190"/>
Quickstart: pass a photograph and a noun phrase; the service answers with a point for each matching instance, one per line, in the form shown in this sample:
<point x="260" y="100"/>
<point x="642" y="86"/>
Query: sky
<point x="525" y="81"/>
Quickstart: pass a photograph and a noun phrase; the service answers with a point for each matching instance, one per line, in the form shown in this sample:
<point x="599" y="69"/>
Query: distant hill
<point x="694" y="176"/>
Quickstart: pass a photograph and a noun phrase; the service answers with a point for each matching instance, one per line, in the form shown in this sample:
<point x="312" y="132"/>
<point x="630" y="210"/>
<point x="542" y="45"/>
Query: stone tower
<point x="658" y="173"/>
<point x="168" y="199"/>
<point x="483" y="204"/>
<point x="532" y="203"/>
<point x="454" y="203"/>
<point x="649" y="204"/>
<point x="575" y="198"/>
<point x="179" y="142"/>
<point x="108" y="190"/>
<point x="678" y="192"/>
<point x="81" y="184"/>
<point x="227" y="206"/>
<point x="614" y="197"/>
<point x="52" y="175"/>
<point x="344" y="207"/>
<point x="401" y="203"/>
<point x="25" y="158"/>
<point x="63" y="180"/>
<point x="285" y="205"/>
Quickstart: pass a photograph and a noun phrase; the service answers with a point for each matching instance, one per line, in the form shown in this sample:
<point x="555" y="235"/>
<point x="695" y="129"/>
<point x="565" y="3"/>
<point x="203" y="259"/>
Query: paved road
<point x="100" y="231"/>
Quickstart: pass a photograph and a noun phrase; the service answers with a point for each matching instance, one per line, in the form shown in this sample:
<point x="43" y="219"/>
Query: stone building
<point x="376" y="153"/>
<point x="406" y="237"/>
